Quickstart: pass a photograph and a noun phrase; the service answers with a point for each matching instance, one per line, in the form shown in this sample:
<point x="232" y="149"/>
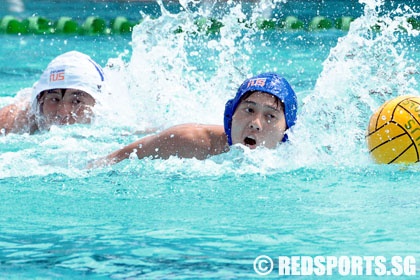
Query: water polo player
<point x="65" y="94"/>
<point x="264" y="107"/>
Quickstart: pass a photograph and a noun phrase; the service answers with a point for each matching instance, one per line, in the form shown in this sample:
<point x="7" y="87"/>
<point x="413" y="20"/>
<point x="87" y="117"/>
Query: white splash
<point x="365" y="69"/>
<point x="179" y="74"/>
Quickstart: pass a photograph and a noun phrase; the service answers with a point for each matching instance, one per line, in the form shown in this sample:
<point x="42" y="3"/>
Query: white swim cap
<point x="71" y="70"/>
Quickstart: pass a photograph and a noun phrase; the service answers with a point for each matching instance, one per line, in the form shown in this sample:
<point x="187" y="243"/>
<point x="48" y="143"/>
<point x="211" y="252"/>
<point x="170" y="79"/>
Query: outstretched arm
<point x="184" y="141"/>
<point x="16" y="118"/>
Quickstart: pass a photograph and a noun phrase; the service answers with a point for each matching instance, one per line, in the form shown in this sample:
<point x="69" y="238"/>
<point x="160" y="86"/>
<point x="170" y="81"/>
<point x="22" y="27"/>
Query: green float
<point x="415" y="24"/>
<point x="266" y="24"/>
<point x="94" y="25"/>
<point x="343" y="23"/>
<point x="292" y="23"/>
<point x="208" y="25"/>
<point x="37" y="25"/>
<point x="121" y="25"/>
<point x="11" y="25"/>
<point x="320" y="23"/>
<point x="66" y="25"/>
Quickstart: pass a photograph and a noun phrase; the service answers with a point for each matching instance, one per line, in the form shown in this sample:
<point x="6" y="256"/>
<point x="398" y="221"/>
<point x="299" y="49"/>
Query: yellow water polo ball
<point x="394" y="131"/>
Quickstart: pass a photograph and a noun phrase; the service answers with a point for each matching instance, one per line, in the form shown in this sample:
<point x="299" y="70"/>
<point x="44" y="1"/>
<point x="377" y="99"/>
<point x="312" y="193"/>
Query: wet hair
<point x="40" y="97"/>
<point x="278" y="102"/>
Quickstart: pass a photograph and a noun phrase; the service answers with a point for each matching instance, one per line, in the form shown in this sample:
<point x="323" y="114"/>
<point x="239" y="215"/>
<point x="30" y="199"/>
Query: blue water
<point x="320" y="194"/>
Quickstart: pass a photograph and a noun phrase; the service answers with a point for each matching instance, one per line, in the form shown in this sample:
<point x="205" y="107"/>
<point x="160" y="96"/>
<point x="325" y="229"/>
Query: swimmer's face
<point x="259" y="121"/>
<point x="65" y="107"/>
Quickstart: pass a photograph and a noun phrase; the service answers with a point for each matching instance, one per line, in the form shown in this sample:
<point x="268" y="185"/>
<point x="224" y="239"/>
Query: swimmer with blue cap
<point x="65" y="94"/>
<point x="264" y="107"/>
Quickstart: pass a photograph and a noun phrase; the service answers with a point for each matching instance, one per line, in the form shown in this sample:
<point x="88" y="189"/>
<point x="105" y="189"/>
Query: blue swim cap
<point x="270" y="83"/>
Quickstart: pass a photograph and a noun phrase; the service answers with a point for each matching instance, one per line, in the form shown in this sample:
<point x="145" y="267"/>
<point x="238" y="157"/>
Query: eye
<point x="76" y="101"/>
<point x="52" y="99"/>
<point x="271" y="117"/>
<point x="249" y="110"/>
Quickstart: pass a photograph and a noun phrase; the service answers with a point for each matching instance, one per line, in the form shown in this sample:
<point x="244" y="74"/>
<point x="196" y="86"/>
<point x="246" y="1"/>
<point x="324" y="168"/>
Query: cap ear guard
<point x="285" y="138"/>
<point x="228" y="120"/>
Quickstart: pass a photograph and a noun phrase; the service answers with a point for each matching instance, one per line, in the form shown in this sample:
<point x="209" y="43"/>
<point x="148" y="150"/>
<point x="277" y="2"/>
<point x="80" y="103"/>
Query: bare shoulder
<point x="16" y="118"/>
<point x="207" y="134"/>
<point x="194" y="140"/>
<point x="194" y="129"/>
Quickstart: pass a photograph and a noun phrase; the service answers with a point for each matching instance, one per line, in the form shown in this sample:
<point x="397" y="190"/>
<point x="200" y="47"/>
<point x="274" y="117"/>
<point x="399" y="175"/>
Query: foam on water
<point x="176" y="77"/>
<point x="365" y="69"/>
<point x="187" y="219"/>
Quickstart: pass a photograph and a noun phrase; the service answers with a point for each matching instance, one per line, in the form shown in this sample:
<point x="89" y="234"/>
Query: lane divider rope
<point x="120" y="25"/>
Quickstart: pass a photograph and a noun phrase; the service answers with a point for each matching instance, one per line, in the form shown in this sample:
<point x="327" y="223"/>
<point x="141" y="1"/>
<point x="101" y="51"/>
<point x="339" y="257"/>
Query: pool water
<point x="318" y="195"/>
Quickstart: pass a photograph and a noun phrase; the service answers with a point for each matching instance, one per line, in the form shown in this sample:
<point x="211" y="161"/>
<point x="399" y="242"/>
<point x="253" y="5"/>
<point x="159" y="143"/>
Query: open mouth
<point x="249" y="141"/>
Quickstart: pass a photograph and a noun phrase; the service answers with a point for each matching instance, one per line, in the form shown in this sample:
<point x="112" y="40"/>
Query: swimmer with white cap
<point x="65" y="94"/>
<point x="264" y="107"/>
